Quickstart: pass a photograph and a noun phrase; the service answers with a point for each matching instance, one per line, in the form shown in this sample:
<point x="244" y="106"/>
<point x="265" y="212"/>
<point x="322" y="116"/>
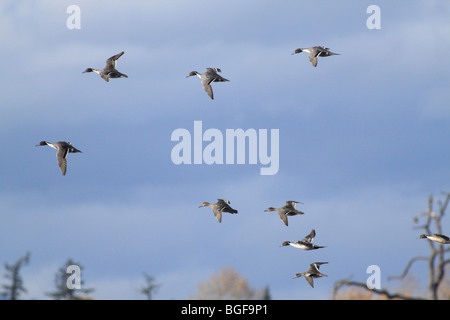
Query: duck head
<point x="192" y="73"/>
<point x="204" y="204"/>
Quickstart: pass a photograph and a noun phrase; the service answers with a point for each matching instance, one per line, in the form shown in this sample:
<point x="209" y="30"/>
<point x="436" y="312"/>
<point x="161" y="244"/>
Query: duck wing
<point x="105" y="76"/>
<point x="283" y="217"/>
<point x="313" y="59"/>
<point x="61" y="155"/>
<point x="310" y="280"/>
<point x="206" y="82"/>
<point x="217" y="214"/>
<point x="314" y="267"/>
<point x="111" y="62"/>
<point x="310" y="236"/>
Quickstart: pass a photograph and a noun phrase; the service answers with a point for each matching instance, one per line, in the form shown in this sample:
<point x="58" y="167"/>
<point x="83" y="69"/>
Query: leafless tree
<point x="228" y="285"/>
<point x="13" y="290"/>
<point x="436" y="259"/>
<point x="150" y="288"/>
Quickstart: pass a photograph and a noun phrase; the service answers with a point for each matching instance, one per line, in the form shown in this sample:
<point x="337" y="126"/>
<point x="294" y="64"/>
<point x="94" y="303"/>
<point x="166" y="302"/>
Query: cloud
<point x="353" y="147"/>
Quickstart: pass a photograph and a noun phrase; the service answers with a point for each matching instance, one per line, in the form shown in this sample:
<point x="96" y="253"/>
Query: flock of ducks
<point x="63" y="148"/>
<point x="288" y="209"/>
<point x="306" y="243"/>
<point x="211" y="75"/>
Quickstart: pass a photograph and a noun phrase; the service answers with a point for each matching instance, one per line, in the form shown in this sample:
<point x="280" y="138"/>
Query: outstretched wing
<point x="111" y="62"/>
<point x="207" y="86"/>
<point x="310" y="236"/>
<point x="310" y="280"/>
<point x="283" y="217"/>
<point x="316" y="265"/>
<point x="217" y="214"/>
<point x="104" y="76"/>
<point x="313" y="59"/>
<point x="61" y="155"/>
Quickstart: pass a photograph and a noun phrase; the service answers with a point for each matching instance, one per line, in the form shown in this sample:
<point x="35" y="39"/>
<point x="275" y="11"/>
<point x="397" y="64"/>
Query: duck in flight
<point x="315" y="52"/>
<point x="109" y="71"/>
<point x="220" y="206"/>
<point x="305" y="243"/>
<point x="436" y="238"/>
<point x="287" y="210"/>
<point x="312" y="273"/>
<point x="211" y="75"/>
<point x="62" y="149"/>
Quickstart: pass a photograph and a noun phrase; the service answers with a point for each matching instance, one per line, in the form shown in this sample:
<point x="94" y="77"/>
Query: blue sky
<point x="363" y="140"/>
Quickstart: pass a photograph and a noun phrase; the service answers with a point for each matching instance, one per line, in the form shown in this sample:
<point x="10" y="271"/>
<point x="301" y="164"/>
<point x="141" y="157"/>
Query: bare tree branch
<point x="384" y="292"/>
<point x="436" y="259"/>
<point x="408" y="266"/>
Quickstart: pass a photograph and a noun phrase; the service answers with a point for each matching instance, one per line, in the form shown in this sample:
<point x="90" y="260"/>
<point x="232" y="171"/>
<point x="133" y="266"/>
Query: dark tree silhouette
<point x="266" y="294"/>
<point x="150" y="288"/>
<point x="13" y="290"/>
